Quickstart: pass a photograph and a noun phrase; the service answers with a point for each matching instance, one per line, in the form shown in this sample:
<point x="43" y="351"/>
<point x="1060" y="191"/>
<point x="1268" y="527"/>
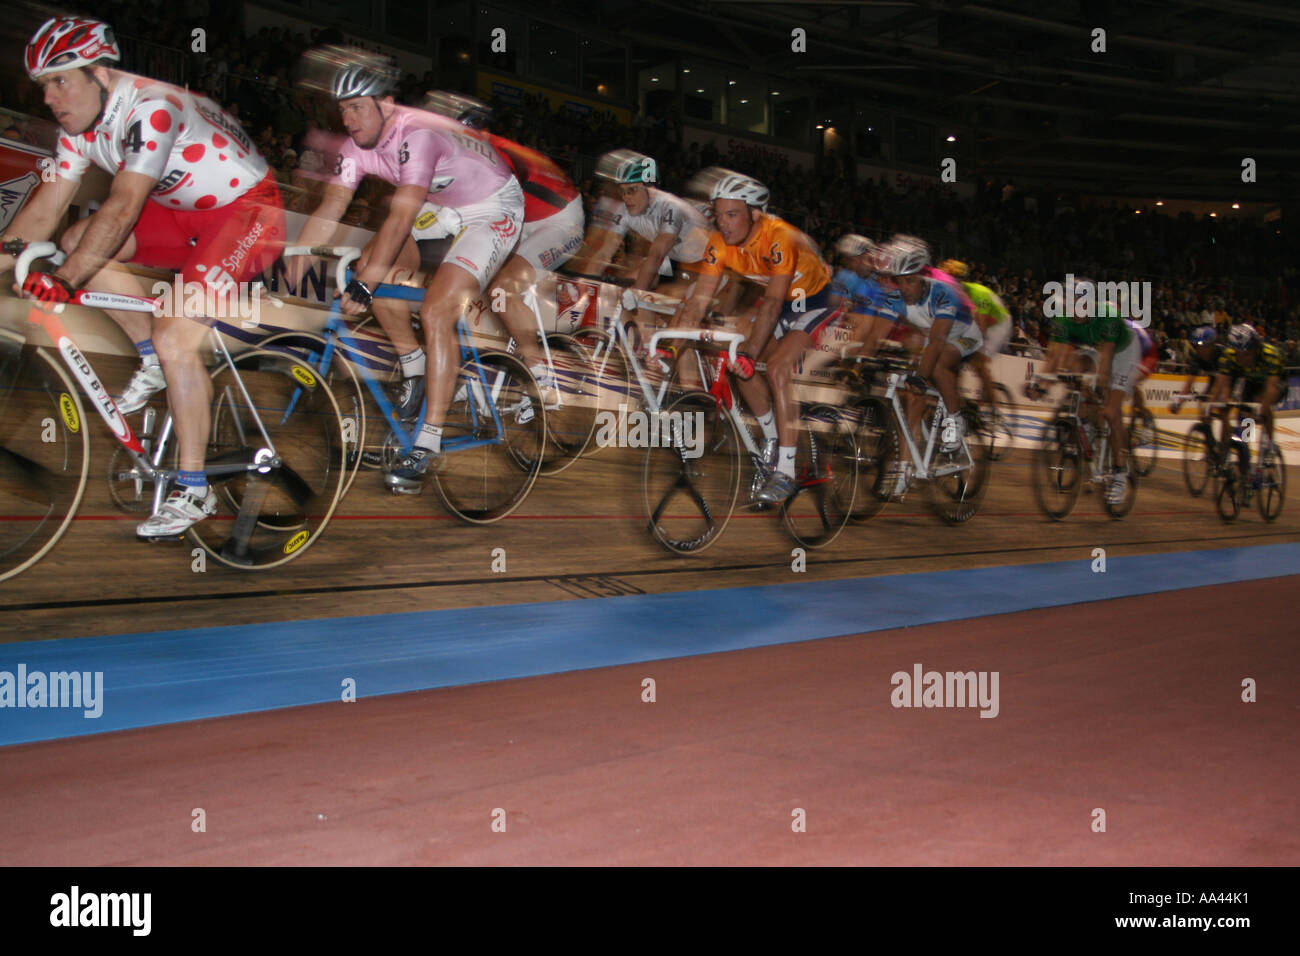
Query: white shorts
<point x="1125" y="366"/>
<point x="966" y="337"/>
<point x="549" y="243"/>
<point x="489" y="231"/>
<point x="996" y="338"/>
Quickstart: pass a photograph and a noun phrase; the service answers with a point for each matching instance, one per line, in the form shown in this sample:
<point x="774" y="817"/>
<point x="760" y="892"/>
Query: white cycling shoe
<point x="1118" y="488"/>
<point x="147" y="382"/>
<point x="958" y="431"/>
<point x="180" y="512"/>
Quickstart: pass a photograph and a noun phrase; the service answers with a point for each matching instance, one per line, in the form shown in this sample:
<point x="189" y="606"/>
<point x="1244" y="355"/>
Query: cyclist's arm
<point x="934" y="347"/>
<point x="645" y="276"/>
<point x="1058" y="355"/>
<point x="768" y="313"/>
<point x="38" y="219"/>
<point x="324" y="221"/>
<point x="1105" y="355"/>
<point x="108" y="227"/>
<point x="693" y="312"/>
<point x="1219" y="388"/>
<point x="596" y="253"/>
<point x="403" y="208"/>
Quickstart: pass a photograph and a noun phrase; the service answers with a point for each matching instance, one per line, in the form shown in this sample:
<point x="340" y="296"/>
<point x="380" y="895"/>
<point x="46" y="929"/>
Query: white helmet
<point x="377" y="78"/>
<point x="852" y="245"/>
<point x="625" y="166"/>
<point x="738" y="186"/>
<point x="904" y="256"/>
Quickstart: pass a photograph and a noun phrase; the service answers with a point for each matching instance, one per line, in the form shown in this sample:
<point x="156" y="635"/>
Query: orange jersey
<point x="775" y="248"/>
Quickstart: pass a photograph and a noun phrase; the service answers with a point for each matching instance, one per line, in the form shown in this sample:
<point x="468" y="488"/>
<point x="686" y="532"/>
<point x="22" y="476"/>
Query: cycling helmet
<point x="955" y="268"/>
<point x="68" y="43"/>
<point x="627" y="167"/>
<point x="1205" y="335"/>
<point x="852" y="245"/>
<point x="463" y="109"/>
<point x="366" y="79"/>
<point x="737" y="186"/>
<point x="904" y="256"/>
<point x="1243" y="337"/>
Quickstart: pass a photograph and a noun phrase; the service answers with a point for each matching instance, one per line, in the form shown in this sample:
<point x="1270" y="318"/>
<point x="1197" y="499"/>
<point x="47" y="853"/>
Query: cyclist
<point x="942" y="311"/>
<point x="796" y="309"/>
<point x="676" y="230"/>
<point x="1203" y="360"/>
<point x="994" y="321"/>
<point x="1257" y="365"/>
<point x="430" y="159"/>
<point x="552" y="230"/>
<point x="1119" y="360"/>
<point x="190" y="193"/>
<point x="859" y="291"/>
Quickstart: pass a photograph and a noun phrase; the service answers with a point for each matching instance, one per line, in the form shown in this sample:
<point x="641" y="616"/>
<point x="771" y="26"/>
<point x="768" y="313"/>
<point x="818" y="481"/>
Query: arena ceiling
<point x="1184" y="92"/>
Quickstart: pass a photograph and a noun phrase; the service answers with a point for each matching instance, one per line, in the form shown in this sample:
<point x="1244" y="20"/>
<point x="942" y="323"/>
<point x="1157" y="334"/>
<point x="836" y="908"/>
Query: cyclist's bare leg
<point x="516" y="277"/>
<point x="178" y="342"/>
<point x="945" y="377"/>
<point x="1114" y="413"/>
<point x="394" y="315"/>
<point x="449" y="294"/>
<point x="980" y="363"/>
<point x="781" y="356"/>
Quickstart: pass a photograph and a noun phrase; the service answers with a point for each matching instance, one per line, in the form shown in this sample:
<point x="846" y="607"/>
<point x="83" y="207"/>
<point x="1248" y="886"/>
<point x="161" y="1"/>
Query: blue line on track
<point x="171" y="676"/>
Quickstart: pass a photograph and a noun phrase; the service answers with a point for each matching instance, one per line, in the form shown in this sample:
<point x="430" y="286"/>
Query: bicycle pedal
<point x="157" y="538"/>
<point x="406" y="491"/>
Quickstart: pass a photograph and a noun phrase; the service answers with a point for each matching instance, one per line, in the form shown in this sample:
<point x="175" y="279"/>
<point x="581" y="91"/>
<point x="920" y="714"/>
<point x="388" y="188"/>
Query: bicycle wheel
<point x="44" y="454"/>
<point x="269" y="516"/>
<point x="690" y="485"/>
<point x="996" y="431"/>
<point x="1198" y="459"/>
<point x="1125" y="505"/>
<point x="494" y="439"/>
<point x="957" y="496"/>
<point x="1143" y="442"/>
<point x="1272" y="489"/>
<point x="1227" y="501"/>
<point x="571" y="423"/>
<point x="1057" y="471"/>
<point x="827" y="466"/>
<point x="612" y="374"/>
<point x="349" y="390"/>
<point x="877" y="443"/>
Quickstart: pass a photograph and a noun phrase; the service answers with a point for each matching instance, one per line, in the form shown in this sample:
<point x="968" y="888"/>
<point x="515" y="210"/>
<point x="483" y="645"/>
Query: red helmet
<point x="66" y="43"/>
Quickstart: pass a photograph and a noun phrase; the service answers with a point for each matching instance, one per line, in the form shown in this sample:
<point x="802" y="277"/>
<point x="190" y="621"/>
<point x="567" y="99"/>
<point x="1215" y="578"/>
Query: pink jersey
<point x="198" y="154"/>
<point x="418" y="148"/>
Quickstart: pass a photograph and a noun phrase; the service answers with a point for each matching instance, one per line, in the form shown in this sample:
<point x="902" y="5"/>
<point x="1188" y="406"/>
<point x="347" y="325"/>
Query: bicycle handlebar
<point x="699" y="335"/>
<point x="28" y="253"/>
<point x="346" y="256"/>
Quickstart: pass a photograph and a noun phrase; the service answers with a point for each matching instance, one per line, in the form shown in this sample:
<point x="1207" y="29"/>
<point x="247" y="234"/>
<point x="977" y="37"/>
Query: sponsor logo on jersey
<point x="505" y="227"/>
<point x="236" y="258"/>
<point x="173" y="181"/>
<point x="426" y="219"/>
<point x="226" y="124"/>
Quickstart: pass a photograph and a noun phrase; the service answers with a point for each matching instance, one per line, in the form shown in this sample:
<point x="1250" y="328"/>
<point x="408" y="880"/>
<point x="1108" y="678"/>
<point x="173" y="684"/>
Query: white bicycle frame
<point x="930" y="432"/>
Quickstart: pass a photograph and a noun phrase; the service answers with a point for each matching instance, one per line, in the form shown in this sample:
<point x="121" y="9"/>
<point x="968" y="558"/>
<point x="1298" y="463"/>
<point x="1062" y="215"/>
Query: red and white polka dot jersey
<point x="199" y="155"/>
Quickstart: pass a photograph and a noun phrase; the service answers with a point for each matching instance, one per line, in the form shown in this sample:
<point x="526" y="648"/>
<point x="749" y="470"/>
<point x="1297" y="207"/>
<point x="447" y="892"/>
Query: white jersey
<point x="198" y="154"/>
<point x="664" y="213"/>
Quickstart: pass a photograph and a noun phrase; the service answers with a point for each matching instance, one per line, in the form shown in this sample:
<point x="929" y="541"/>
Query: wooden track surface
<point x="579" y="534"/>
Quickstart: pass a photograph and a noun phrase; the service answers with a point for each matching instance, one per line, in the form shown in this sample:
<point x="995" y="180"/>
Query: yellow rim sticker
<point x="303" y="376"/>
<point x="296" y="542"/>
<point x="69" y="409"/>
